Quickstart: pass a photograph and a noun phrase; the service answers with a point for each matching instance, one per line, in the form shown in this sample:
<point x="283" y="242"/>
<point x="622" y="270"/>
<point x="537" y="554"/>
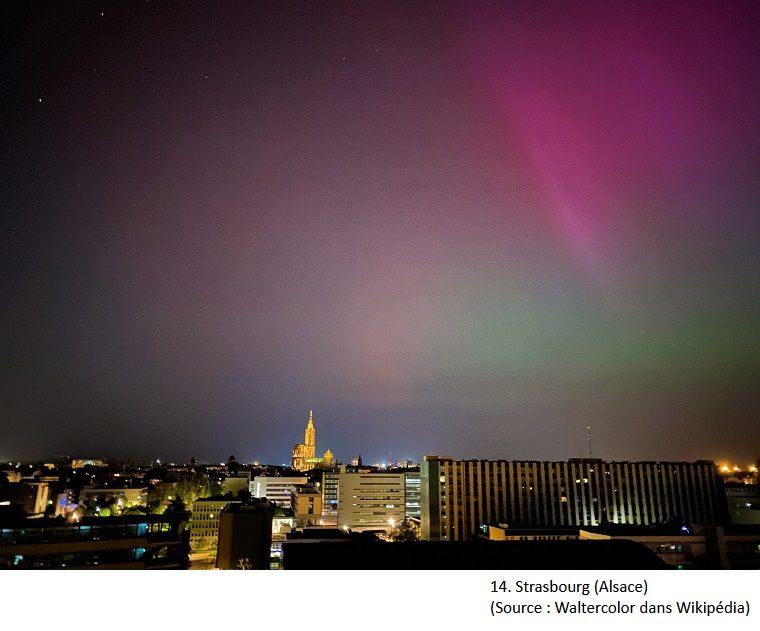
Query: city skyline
<point x="466" y="229"/>
<point x="370" y="459"/>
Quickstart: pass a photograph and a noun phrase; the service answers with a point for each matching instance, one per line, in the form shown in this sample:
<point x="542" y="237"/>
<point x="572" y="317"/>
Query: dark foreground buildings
<point x="360" y="554"/>
<point x="245" y="536"/>
<point x="127" y="542"/>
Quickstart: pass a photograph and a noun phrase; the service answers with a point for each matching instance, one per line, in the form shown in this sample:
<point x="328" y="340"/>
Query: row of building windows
<point x="541" y="493"/>
<point x="86" y="532"/>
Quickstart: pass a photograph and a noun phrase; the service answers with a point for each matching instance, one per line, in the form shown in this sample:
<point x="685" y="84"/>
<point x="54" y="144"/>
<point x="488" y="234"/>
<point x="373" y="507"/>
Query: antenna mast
<point x="588" y="438"/>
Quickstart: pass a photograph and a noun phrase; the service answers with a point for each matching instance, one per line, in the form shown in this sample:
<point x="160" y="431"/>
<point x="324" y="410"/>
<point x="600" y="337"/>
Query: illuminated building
<point x="12" y="476"/>
<point x="304" y="456"/>
<point x="31" y="497"/>
<point x="276" y="489"/>
<point x="65" y="503"/>
<point x="283" y="523"/>
<point x="732" y="473"/>
<point x="78" y="463"/>
<point x="204" y="523"/>
<point x="460" y="497"/>
<point x="330" y="497"/>
<point x="413" y="507"/>
<point x="743" y="503"/>
<point x="307" y="449"/>
<point x="371" y="501"/>
<point x="325" y="462"/>
<point x="307" y="505"/>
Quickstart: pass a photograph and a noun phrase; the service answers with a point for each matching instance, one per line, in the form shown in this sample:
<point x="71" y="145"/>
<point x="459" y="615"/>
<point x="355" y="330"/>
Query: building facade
<point x="276" y="489"/>
<point x="462" y="497"/>
<point x="307" y="505"/>
<point x="31" y="497"/>
<point x="330" y="479"/>
<point x="412" y="502"/>
<point x="204" y="523"/>
<point x="371" y="500"/>
<point x="743" y="503"/>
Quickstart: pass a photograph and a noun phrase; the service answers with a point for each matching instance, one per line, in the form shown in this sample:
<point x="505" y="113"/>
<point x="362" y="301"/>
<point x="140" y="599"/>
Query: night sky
<point x="465" y="229"/>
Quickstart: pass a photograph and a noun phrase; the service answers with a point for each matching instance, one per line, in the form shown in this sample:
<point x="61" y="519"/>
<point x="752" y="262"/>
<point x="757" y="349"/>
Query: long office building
<point x="463" y="497"/>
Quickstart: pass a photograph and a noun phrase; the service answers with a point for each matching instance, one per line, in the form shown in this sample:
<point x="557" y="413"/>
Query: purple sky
<point x="468" y="229"/>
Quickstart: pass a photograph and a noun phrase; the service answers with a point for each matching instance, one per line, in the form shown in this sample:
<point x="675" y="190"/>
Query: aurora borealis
<point x="469" y="229"/>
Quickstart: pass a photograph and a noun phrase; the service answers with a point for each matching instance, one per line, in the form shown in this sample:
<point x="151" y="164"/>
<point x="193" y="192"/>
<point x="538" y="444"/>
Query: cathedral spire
<point x="310" y="437"/>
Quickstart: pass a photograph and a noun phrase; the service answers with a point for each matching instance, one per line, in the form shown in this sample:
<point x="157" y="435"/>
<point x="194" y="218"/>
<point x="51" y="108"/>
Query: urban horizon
<point x="443" y="512"/>
<point x="375" y="458"/>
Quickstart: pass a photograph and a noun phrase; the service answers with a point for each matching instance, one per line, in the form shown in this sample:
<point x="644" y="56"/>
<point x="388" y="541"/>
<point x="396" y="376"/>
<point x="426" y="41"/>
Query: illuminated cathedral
<point x="305" y="454"/>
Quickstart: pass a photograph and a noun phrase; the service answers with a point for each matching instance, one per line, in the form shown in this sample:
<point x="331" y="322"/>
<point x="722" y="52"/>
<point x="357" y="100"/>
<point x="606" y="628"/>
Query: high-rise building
<point x="462" y="497"/>
<point x="412" y="494"/>
<point x="330" y="478"/>
<point x="371" y="500"/>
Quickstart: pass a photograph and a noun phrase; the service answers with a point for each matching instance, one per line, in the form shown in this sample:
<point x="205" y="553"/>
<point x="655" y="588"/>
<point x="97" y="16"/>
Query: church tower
<point x="310" y="438"/>
<point x="304" y="454"/>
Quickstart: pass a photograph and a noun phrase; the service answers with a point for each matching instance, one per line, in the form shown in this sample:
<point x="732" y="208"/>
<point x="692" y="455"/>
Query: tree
<point x="135" y="510"/>
<point x="176" y="505"/>
<point x="244" y="564"/>
<point x="193" y="485"/>
<point x="404" y="531"/>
